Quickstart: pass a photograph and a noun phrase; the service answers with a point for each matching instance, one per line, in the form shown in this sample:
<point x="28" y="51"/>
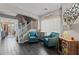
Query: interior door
<point x="6" y="28"/>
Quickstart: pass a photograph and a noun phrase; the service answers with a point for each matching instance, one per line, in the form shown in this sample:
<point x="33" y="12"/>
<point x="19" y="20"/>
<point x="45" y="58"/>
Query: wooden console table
<point x="67" y="46"/>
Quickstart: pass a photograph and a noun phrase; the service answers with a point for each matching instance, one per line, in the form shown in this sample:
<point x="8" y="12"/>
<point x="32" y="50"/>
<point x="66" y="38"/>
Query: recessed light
<point x="45" y="9"/>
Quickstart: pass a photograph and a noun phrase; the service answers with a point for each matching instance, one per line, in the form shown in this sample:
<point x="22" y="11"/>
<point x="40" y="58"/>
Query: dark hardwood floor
<point x="9" y="46"/>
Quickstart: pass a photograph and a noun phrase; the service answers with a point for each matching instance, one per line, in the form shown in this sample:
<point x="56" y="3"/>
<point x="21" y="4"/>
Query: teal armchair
<point x="32" y="37"/>
<point x="51" y="40"/>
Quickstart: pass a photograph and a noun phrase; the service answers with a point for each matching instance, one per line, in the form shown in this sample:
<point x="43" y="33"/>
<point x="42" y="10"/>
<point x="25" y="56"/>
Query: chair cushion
<point x="32" y="37"/>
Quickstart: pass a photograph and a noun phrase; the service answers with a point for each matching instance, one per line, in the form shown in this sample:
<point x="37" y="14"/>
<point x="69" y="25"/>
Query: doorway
<point x="11" y="29"/>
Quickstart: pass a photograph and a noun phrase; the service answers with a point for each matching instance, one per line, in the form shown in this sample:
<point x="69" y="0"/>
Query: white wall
<point x="51" y="23"/>
<point x="74" y="31"/>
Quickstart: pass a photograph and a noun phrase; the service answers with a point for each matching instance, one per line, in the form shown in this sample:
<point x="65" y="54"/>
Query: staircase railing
<point x="28" y="26"/>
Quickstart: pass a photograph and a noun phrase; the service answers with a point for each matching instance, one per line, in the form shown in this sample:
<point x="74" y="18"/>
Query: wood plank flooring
<point x="9" y="46"/>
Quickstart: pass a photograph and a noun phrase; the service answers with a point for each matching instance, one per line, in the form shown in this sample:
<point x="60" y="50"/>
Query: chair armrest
<point x="52" y="38"/>
<point x="29" y="35"/>
<point x="55" y="37"/>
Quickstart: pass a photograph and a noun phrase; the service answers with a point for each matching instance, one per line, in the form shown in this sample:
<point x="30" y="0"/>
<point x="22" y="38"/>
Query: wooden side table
<point x="67" y="46"/>
<point x="60" y="46"/>
<point x="78" y="47"/>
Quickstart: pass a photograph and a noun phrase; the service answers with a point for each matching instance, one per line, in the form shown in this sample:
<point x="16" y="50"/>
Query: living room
<point x="39" y="29"/>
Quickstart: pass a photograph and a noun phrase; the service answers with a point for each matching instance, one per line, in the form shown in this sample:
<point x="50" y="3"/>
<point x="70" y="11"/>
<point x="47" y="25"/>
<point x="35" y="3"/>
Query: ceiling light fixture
<point x="45" y="9"/>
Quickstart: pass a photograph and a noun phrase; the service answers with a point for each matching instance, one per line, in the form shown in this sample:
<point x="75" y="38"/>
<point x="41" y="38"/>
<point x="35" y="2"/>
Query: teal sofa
<point x="51" y="40"/>
<point x="32" y="37"/>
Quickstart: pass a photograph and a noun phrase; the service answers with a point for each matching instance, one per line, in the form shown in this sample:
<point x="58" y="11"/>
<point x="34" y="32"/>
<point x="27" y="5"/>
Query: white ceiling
<point x="37" y="8"/>
<point x="29" y="9"/>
